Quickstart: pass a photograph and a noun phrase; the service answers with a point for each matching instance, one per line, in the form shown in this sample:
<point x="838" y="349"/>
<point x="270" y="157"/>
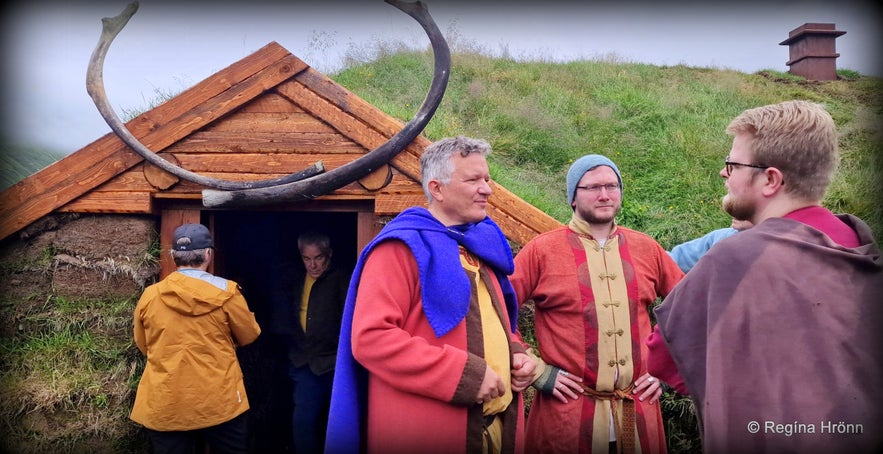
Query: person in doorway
<point x="316" y="300"/>
<point x="188" y="326"/>
<point x="592" y="283"/>
<point x="776" y="331"/>
<point x="430" y="360"/>
<point x="688" y="253"/>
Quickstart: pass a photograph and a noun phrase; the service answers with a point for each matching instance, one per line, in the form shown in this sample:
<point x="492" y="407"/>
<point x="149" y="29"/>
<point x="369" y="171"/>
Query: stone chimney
<point x="811" y="51"/>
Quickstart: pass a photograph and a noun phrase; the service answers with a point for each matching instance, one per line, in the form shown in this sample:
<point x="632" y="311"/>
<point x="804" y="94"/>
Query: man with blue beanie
<point x="583" y="165"/>
<point x="592" y="283"/>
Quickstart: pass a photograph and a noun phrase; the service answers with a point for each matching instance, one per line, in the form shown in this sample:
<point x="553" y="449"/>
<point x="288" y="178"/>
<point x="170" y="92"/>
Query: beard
<point x="739" y="211"/>
<point x="589" y="215"/>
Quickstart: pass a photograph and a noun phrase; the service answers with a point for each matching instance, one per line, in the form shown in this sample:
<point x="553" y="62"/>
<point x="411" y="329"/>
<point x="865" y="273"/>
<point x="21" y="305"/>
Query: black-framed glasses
<point x="596" y="188"/>
<point x="729" y="165"/>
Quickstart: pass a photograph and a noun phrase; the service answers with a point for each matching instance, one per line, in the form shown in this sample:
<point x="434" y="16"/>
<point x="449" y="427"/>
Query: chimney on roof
<point x="811" y="51"/>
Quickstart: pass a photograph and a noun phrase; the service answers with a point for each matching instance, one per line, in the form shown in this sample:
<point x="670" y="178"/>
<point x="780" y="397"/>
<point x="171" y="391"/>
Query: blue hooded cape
<point x="446" y="295"/>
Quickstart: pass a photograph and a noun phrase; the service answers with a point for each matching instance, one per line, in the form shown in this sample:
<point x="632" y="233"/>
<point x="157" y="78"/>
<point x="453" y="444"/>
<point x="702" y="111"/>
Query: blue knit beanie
<point x="583" y="165"/>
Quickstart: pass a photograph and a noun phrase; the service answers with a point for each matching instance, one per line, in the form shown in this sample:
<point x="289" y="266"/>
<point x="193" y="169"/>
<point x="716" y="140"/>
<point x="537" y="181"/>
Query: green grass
<point x="19" y="161"/>
<point x="73" y="368"/>
<point x="662" y="125"/>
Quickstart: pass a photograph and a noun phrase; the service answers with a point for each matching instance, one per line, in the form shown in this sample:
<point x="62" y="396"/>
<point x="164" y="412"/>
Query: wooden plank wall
<point x="244" y="147"/>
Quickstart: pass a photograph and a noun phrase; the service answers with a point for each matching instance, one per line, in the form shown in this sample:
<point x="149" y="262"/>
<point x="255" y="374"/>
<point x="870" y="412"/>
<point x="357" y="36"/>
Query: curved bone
<point x="111" y="27"/>
<point x="318" y="185"/>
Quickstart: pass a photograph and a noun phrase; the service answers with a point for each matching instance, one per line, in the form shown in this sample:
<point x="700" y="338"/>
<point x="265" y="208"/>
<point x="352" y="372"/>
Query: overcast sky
<point x="169" y="46"/>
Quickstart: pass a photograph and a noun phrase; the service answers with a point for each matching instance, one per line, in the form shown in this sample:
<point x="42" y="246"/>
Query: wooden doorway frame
<point x="368" y="225"/>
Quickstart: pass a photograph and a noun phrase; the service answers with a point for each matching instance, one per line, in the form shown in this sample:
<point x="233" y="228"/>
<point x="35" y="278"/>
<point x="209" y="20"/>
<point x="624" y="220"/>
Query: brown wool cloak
<point x="776" y="332"/>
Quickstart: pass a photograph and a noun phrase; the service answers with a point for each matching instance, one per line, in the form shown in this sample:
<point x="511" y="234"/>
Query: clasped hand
<point x="523" y="367"/>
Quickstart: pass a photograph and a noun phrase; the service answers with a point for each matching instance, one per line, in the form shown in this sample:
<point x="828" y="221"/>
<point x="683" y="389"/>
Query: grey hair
<point x="435" y="163"/>
<point x="195" y="257"/>
<point x="317" y="239"/>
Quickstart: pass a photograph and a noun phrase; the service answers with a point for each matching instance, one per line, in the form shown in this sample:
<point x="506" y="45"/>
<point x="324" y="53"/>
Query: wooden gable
<point x="265" y="116"/>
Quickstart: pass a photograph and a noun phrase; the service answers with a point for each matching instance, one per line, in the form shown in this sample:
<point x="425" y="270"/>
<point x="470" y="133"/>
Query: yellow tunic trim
<point x="615" y="367"/>
<point x="496" y="341"/>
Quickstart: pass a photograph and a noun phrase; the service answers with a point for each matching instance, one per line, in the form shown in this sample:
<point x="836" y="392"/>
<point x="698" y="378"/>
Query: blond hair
<point x="797" y="137"/>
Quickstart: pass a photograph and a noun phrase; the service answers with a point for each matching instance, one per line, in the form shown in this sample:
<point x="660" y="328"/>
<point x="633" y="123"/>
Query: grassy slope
<point x="18" y="162"/>
<point x="663" y="126"/>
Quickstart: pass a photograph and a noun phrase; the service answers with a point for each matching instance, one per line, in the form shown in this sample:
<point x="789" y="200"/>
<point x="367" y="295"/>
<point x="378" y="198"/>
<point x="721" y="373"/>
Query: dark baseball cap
<point x="189" y="237"/>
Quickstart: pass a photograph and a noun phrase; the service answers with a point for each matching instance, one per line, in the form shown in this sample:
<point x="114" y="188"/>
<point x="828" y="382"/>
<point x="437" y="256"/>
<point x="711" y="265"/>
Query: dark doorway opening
<point x="257" y="249"/>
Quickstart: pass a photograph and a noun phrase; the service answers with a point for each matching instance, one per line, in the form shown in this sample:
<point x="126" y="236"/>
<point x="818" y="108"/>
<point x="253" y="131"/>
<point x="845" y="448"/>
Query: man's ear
<point x="435" y="189"/>
<point x="775" y="181"/>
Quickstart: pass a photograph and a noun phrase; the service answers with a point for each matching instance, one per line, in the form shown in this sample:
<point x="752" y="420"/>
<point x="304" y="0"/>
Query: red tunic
<point x="421" y="388"/>
<point x="553" y="271"/>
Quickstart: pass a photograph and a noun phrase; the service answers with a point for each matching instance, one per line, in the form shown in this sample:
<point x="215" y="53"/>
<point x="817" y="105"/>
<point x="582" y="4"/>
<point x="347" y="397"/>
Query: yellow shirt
<point x="305" y="300"/>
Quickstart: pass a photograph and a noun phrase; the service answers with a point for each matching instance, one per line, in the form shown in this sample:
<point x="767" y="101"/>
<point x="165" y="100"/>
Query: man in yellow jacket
<point x="189" y="325"/>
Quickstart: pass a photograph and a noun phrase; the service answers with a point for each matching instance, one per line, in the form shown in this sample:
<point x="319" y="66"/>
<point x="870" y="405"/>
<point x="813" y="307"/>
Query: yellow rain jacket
<point x="189" y="330"/>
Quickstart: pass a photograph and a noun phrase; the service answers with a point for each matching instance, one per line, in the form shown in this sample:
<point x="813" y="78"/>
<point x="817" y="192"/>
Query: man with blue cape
<point x="429" y="358"/>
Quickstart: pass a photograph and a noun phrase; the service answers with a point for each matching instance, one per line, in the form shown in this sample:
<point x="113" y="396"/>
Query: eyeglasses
<point x="730" y="164"/>
<point x="596" y="188"/>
